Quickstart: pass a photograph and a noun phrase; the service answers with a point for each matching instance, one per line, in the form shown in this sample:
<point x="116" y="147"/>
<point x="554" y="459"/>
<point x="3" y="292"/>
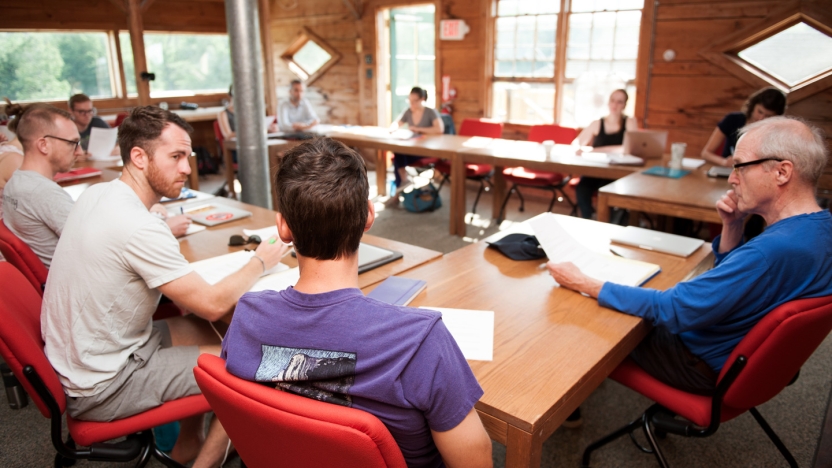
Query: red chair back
<point x="120" y="118"/>
<point x="21" y="344"/>
<point x="776" y="349"/>
<point x="481" y="128"/>
<point x="16" y="252"/>
<point x="218" y="133"/>
<point x="556" y="133"/>
<point x="266" y="424"/>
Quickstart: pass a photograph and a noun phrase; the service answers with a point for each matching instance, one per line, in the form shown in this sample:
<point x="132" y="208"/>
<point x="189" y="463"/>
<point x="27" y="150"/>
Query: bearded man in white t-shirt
<point x="112" y="263"/>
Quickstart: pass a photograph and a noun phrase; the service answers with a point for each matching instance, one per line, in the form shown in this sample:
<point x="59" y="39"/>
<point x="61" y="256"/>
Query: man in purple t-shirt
<point x="323" y="339"/>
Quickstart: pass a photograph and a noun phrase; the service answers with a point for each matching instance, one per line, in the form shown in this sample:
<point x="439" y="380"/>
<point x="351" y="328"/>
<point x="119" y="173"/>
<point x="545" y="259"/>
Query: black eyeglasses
<point x="75" y="143"/>
<point x="237" y="239"/>
<point x="92" y="111"/>
<point x="756" y="161"/>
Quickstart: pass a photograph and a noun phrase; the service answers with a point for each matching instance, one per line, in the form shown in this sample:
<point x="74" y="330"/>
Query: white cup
<point x="547" y="147"/>
<point x="677" y="153"/>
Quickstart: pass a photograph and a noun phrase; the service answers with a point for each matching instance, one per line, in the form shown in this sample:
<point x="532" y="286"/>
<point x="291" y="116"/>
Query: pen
<point x="182" y="209"/>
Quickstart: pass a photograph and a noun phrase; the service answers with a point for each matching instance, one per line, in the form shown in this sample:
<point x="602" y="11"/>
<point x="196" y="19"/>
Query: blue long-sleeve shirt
<point x="792" y="259"/>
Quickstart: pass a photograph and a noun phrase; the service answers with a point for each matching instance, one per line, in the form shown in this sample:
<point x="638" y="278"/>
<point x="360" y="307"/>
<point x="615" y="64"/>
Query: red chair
<point x="267" y="425"/>
<point x="479" y="172"/>
<point x="22" y="348"/>
<point x="766" y="361"/>
<point x="120" y="118"/>
<point x="552" y="181"/>
<point x="16" y="252"/>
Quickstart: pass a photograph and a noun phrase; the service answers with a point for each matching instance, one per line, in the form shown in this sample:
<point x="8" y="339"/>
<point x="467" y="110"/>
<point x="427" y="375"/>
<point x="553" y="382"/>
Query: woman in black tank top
<point x="596" y="135"/>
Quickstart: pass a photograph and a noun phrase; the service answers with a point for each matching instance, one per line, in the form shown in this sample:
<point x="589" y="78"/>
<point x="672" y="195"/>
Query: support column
<point x="247" y="67"/>
<point x="134" y="21"/>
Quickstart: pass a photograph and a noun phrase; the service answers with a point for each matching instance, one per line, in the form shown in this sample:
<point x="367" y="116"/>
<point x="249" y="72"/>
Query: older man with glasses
<point x="83" y="113"/>
<point x="777" y="164"/>
<point x="35" y="208"/>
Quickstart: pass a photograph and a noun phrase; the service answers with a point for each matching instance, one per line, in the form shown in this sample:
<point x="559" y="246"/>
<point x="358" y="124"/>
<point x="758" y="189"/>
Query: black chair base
<point x="555" y="189"/>
<point x="485" y="186"/>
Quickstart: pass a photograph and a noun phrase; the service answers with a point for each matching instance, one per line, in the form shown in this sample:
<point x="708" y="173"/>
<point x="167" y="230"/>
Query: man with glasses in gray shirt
<point x="83" y="113"/>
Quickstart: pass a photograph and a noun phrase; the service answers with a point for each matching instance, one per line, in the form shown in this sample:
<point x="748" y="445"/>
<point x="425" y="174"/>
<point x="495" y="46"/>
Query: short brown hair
<point x="77" y="99"/>
<point x="35" y="121"/>
<point x="322" y="191"/>
<point x="143" y="127"/>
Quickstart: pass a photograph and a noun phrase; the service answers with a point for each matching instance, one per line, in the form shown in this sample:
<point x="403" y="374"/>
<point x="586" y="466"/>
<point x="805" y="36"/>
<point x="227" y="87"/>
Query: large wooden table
<point x="552" y="346"/>
<point x="692" y="196"/>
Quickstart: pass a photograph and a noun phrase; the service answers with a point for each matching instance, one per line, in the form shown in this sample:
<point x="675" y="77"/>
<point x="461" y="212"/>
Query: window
<point x="412" y="55"/>
<point x="599" y="41"/>
<point x="52" y="66"/>
<point x="310" y="56"/>
<point x="184" y="64"/>
<point x="793" y="55"/>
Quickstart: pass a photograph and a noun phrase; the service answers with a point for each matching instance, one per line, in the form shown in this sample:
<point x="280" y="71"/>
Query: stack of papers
<point x="213" y="270"/>
<point x="473" y="331"/>
<point x="101" y="144"/>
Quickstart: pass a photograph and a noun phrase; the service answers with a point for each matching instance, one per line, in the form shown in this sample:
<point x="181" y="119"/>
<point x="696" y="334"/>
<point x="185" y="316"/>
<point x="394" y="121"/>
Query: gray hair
<point x="794" y="140"/>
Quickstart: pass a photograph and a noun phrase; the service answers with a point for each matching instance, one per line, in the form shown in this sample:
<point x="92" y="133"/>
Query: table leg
<point x="381" y="172"/>
<point x="457" y="196"/>
<point x="498" y="191"/>
<point x="229" y="170"/>
<point x="603" y="208"/>
<point x="522" y="450"/>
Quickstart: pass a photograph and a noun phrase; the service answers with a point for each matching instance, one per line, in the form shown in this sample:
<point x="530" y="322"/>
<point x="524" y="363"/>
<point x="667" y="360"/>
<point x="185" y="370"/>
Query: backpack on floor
<point x="205" y="162"/>
<point x="421" y="199"/>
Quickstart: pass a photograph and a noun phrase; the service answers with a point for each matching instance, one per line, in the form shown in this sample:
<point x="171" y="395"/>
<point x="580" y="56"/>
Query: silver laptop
<point x="658" y="241"/>
<point x="370" y="256"/>
<point x="647" y="144"/>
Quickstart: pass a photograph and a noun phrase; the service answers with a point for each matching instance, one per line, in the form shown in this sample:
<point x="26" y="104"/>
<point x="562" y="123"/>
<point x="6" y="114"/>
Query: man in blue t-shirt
<point x="777" y="164"/>
<point x="324" y="339"/>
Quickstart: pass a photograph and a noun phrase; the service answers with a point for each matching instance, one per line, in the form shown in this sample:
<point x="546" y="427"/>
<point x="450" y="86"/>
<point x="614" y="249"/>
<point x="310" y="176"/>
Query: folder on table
<point x="397" y="290"/>
<point x="75" y="174"/>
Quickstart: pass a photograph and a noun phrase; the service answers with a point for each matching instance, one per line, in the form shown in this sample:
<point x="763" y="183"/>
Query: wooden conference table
<point x="552" y="346"/>
<point x="692" y="196"/>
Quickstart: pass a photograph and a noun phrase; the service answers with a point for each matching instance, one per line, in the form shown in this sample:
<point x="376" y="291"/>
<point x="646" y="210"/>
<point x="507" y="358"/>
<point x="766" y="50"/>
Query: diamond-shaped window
<point x="309" y="56"/>
<point x="792" y="56"/>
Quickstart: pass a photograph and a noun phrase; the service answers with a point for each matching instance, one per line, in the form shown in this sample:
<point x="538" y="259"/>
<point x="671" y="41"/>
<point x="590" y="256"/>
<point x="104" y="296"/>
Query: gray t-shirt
<point x="428" y="116"/>
<point x="102" y="289"/>
<point x="35" y="209"/>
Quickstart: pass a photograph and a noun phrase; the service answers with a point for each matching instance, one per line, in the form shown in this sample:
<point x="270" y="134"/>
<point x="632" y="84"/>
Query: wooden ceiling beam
<point x="353" y="9"/>
<point x="121" y="4"/>
<point x="146" y="4"/>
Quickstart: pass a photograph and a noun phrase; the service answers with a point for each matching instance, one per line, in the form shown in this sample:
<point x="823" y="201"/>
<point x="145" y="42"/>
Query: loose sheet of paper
<point x="561" y="247"/>
<point x="102" y="142"/>
<point x="691" y="163"/>
<point x="277" y="281"/>
<point x="213" y="270"/>
<point x="473" y="331"/>
<point x="264" y="233"/>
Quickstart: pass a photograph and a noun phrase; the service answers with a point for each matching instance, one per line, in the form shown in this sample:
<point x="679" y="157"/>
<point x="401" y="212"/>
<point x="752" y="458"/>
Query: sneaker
<point x="574" y="420"/>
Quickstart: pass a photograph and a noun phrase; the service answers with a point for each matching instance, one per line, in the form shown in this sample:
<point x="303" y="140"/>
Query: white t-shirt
<point x="35" y="210"/>
<point x="101" y="293"/>
<point x="288" y="114"/>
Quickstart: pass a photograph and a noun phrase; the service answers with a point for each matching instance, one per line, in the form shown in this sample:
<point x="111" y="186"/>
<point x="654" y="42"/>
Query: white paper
<point x="277" y="281"/>
<point x="264" y="233"/>
<point x="691" y="163"/>
<point x="473" y="331"/>
<point x="193" y="229"/>
<point x="561" y="247"/>
<point x="213" y="270"/>
<point x="102" y="142"/>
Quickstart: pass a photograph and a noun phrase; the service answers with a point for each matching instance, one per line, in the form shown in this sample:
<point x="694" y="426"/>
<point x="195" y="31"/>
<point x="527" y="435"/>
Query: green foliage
<point x="188" y="62"/>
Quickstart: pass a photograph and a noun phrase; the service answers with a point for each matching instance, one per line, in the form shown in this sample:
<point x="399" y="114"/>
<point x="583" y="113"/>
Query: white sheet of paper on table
<point x="692" y="163"/>
<point x="277" y="281"/>
<point x="264" y="233"/>
<point x="213" y="270"/>
<point x="101" y="143"/>
<point x="473" y="331"/>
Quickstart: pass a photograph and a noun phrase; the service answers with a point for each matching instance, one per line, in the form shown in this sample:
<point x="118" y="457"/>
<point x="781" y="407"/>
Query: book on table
<point x="397" y="290"/>
<point x="561" y="247"/>
<point x="75" y="174"/>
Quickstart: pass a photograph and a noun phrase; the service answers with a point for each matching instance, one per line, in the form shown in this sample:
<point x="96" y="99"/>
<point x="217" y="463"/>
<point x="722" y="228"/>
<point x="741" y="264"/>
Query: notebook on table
<point x="75" y="174"/>
<point x="661" y="171"/>
<point x="212" y="214"/>
<point x="659" y="241"/>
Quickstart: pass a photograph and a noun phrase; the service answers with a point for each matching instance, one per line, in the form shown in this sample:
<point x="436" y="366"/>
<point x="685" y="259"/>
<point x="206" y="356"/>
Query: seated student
<point x="418" y="119"/>
<point x="112" y="264"/>
<point x="764" y="103"/>
<point x="83" y="113"/>
<point x="325" y="340"/>
<point x="11" y="151"/>
<point x="296" y="114"/>
<point x="698" y="323"/>
<point x="604" y="135"/>
<point x="228" y="122"/>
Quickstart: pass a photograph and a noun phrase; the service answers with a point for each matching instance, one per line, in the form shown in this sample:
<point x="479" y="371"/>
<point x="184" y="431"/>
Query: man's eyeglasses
<point x="75" y="143"/>
<point x="92" y="111"/>
<point x="237" y="239"/>
<point x="756" y="161"/>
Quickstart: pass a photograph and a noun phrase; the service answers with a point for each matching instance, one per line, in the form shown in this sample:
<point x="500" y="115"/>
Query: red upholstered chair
<point x="22" y="348"/>
<point x="479" y="172"/>
<point x="552" y="181"/>
<point x="270" y="427"/>
<point x="16" y="252"/>
<point x="120" y="118"/>
<point x="763" y="363"/>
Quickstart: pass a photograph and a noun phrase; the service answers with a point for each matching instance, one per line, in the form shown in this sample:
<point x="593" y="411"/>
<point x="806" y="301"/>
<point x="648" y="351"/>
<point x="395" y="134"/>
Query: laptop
<point x="659" y="241"/>
<point x="370" y="256"/>
<point x="211" y="214"/>
<point x="647" y="144"/>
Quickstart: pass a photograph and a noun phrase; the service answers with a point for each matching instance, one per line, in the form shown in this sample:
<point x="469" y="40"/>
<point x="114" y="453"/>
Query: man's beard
<point x="159" y="184"/>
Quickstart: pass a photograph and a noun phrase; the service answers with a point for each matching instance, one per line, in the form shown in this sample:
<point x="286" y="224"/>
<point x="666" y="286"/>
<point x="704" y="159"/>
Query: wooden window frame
<point x="305" y="36"/>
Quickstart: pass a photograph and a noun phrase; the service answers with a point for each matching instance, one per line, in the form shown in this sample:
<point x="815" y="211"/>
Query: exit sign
<point x="453" y="30"/>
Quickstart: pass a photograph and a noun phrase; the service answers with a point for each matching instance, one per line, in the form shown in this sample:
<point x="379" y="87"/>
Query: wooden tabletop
<point x="692" y="196"/>
<point x="433" y="146"/>
<point x="552" y="346"/>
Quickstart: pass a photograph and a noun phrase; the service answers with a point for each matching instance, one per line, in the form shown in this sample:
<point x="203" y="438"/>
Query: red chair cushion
<point x="523" y="176"/>
<point x="265" y="423"/>
<point x="18" y="253"/>
<point x="556" y="133"/>
<point x="471" y="170"/>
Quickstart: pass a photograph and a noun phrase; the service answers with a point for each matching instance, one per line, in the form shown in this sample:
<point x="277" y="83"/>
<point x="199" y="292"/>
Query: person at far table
<point x="296" y="114"/>
<point x="604" y="135"/>
<point x="112" y="264"/>
<point x="83" y="113"/>
<point x="420" y="120"/>
<point x="228" y="121"/>
<point x="324" y="339"/>
<point x="697" y="323"/>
